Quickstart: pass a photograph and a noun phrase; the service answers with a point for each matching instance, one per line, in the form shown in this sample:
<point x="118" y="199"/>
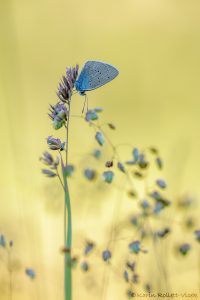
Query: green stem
<point x="68" y="244"/>
<point x="10" y="275"/>
<point x="67" y="239"/>
<point x="67" y="225"/>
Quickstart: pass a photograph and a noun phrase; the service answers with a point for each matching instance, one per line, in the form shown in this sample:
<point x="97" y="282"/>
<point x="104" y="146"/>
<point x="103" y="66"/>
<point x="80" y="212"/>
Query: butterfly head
<point x="78" y="88"/>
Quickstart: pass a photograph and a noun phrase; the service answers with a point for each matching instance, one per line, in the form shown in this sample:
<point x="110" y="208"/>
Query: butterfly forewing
<point x="95" y="74"/>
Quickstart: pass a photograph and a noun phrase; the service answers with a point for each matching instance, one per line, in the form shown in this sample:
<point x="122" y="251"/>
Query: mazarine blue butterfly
<point x="93" y="75"/>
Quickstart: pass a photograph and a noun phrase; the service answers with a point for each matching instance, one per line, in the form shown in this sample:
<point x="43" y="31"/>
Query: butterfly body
<point x="93" y="75"/>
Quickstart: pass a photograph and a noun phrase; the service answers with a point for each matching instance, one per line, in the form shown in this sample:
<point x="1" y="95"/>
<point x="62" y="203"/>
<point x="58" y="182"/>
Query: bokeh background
<point x="154" y="101"/>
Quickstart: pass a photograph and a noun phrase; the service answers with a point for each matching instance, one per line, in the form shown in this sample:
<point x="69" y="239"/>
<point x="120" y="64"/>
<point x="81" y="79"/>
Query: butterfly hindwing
<point x="95" y="74"/>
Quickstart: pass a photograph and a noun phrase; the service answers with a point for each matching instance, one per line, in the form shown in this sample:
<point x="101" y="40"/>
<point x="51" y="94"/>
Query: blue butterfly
<point x="93" y="75"/>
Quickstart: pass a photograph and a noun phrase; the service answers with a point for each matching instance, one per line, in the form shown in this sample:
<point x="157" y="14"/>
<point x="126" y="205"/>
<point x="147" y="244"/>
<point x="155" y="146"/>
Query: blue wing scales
<point x="95" y="74"/>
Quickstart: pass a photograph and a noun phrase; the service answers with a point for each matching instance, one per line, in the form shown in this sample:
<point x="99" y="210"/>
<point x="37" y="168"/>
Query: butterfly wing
<point x="95" y="74"/>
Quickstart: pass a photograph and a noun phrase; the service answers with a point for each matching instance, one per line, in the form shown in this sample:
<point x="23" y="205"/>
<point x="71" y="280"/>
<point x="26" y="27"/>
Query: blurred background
<point x="153" y="102"/>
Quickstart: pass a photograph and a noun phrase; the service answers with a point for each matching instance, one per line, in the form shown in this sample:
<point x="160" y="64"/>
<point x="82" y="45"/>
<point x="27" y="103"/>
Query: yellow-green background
<point x="155" y="44"/>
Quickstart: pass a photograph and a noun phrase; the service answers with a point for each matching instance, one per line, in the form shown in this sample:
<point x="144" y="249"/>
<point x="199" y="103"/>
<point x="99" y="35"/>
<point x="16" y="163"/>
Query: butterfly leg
<point x="84" y="104"/>
<point x="87" y="101"/>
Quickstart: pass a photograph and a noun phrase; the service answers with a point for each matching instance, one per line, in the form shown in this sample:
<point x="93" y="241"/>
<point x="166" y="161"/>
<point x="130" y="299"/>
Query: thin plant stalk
<point x="67" y="226"/>
<point x="10" y="275"/>
<point x="68" y="243"/>
<point x="60" y="115"/>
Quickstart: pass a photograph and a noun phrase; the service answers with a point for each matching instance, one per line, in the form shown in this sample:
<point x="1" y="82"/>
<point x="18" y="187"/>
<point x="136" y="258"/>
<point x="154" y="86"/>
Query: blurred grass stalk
<point x="67" y="227"/>
<point x="68" y="242"/>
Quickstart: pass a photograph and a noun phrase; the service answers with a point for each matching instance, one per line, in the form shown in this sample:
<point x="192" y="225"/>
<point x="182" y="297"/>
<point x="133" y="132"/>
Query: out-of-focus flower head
<point x="55" y="144"/>
<point x="135" y="221"/>
<point x="30" y="273"/>
<point x="162" y="233"/>
<point x="135" y="247"/>
<point x="97" y="153"/>
<point x="106" y="255"/>
<point x="148" y="288"/>
<point x="58" y="114"/>
<point x="130" y="294"/>
<point x="2" y="241"/>
<point x="74" y="261"/>
<point x="126" y="276"/>
<point x="186" y="202"/>
<point x="88" y="247"/>
<point x="161" y="183"/>
<point x="48" y="173"/>
<point x="69" y="170"/>
<point x="197" y="235"/>
<point x="108" y="176"/>
<point x="184" y="248"/>
<point x="100" y="138"/>
<point x="135" y="278"/>
<point x="121" y="167"/>
<point x="91" y="115"/>
<point x="131" y="265"/>
<point x="159" y="198"/>
<point x="109" y="164"/>
<point x="67" y="84"/>
<point x="159" y="163"/>
<point x="90" y="174"/>
<point x="48" y="160"/>
<point x="84" y="266"/>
